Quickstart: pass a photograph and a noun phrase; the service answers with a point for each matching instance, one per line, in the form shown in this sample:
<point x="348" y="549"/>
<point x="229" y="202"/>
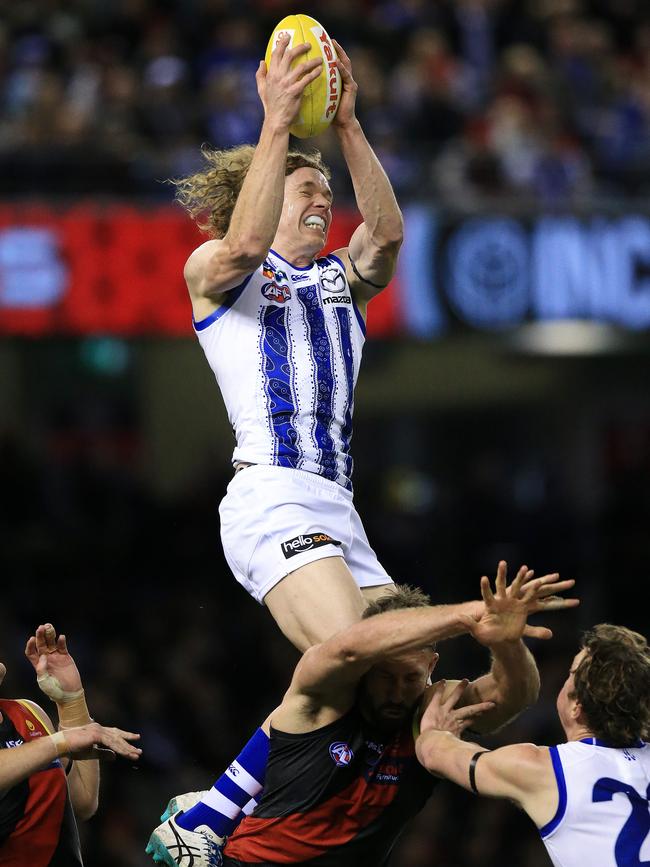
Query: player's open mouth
<point x="314" y="222"/>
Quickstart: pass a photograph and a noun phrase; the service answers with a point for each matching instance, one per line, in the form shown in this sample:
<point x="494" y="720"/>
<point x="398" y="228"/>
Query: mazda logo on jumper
<point x="337" y="299"/>
<point x="306" y="542"/>
<point x="332" y="280"/>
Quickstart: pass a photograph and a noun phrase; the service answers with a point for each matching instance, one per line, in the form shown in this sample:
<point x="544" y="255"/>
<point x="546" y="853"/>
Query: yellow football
<point x="320" y="99"/>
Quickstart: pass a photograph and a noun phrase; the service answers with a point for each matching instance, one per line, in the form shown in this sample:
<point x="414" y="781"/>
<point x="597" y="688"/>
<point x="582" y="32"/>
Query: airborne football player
<point x="283" y="331"/>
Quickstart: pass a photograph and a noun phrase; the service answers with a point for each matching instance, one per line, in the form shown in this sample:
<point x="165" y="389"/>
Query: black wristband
<point x="363" y="279"/>
<point x="472" y="770"/>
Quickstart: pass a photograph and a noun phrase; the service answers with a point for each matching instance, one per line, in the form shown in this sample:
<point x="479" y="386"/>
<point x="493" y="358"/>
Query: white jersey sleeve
<point x="603" y="817"/>
<point x="285" y="348"/>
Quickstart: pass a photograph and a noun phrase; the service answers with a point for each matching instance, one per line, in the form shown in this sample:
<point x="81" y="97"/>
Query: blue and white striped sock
<point x="233" y="795"/>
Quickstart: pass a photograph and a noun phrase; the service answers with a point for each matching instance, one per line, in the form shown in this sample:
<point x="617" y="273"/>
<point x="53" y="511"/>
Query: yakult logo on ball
<point x="320" y="100"/>
<point x="332" y="74"/>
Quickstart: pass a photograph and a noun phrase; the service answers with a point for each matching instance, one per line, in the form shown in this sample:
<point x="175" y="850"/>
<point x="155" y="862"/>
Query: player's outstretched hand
<point x="94" y="741"/>
<point x="56" y="671"/>
<point x="442" y="714"/>
<point x="506" y="610"/>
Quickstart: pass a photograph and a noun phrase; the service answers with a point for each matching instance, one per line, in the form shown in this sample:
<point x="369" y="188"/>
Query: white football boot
<point x="182" y="802"/>
<point x="176" y="847"/>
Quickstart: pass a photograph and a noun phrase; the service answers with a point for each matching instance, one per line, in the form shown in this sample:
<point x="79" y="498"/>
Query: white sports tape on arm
<point x="52" y="688"/>
<point x="71" y="704"/>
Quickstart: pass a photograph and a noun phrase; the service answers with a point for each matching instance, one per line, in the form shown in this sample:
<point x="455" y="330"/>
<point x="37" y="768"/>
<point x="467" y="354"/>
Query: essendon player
<point x="38" y="804"/>
<point x="343" y="778"/>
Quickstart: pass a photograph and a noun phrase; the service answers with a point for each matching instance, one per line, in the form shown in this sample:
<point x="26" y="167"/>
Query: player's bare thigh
<point x="318" y="600"/>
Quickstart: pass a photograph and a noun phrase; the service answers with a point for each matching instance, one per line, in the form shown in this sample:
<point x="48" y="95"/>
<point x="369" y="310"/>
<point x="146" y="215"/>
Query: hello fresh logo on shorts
<point x="306" y="542"/>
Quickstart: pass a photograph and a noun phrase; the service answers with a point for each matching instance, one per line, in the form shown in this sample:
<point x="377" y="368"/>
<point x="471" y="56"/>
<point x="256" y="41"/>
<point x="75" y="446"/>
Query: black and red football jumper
<point x="336" y="797"/>
<point x="37" y="825"/>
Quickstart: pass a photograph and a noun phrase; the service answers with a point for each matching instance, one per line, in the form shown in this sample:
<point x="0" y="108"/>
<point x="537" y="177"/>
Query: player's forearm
<point x="83" y="779"/>
<point x="256" y="215"/>
<point x="445" y="755"/>
<point x="19" y="763"/>
<point x="83" y="782"/>
<point x="373" y="191"/>
<point x="513" y="684"/>
<point x="396" y="632"/>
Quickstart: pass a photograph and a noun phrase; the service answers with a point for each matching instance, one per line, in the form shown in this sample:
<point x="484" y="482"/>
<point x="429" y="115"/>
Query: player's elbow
<point x="510" y="706"/>
<point x="347" y="652"/>
<point x="391" y="233"/>
<point x="247" y="251"/>
<point x="85" y="807"/>
<point x="529" y="690"/>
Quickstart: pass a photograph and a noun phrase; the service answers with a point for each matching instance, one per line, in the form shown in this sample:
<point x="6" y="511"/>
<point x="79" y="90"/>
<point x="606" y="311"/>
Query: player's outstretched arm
<point x="85" y="742"/>
<point x="522" y="773"/>
<point x="375" y="244"/>
<point x="220" y="265"/>
<point x="340" y="661"/>
<point x="513" y="680"/>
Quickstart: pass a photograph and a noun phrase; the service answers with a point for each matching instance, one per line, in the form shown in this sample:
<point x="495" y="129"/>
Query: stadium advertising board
<point x="117" y="269"/>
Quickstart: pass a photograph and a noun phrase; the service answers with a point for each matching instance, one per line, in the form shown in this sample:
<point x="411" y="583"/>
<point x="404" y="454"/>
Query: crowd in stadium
<point x="548" y="100"/>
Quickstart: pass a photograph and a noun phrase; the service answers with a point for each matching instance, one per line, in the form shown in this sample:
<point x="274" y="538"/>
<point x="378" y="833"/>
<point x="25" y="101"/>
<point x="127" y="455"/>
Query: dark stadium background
<point x="522" y="433"/>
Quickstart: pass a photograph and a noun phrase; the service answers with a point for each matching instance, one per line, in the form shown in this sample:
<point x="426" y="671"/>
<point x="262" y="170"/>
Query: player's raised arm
<point x="221" y="264"/>
<point x="500" y="620"/>
<point x="58" y="677"/>
<point x="371" y="256"/>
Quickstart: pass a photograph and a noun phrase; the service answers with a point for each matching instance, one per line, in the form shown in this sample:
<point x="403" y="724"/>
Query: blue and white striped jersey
<point x="603" y="817"/>
<point x="285" y="348"/>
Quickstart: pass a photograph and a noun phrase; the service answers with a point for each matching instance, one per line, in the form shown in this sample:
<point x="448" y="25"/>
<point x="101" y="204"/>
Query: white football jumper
<point x="603" y="817"/>
<point x="285" y="348"/>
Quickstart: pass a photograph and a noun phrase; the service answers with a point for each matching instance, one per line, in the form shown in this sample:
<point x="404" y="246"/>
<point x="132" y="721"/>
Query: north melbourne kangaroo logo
<point x="332" y="280"/>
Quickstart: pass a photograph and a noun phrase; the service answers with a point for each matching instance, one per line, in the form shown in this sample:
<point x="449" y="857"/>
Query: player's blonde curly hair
<point x="210" y="195"/>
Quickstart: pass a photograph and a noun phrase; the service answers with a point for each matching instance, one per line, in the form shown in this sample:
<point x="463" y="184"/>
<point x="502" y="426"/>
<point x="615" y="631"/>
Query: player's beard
<point x="387" y="716"/>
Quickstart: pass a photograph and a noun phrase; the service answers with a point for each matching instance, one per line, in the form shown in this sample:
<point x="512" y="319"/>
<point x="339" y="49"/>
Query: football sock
<point x="233" y="795"/>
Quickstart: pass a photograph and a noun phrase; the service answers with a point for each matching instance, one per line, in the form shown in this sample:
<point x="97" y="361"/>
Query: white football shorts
<point x="276" y="519"/>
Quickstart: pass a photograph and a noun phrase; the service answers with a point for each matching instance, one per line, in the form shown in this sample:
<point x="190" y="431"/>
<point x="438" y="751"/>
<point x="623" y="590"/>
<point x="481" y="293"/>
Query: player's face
<point x="307" y="208"/>
<point x="391" y="690"/>
<point x="3" y="671"/>
<point x="565" y="704"/>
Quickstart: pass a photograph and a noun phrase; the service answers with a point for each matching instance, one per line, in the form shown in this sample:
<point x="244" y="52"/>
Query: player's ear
<point x="577" y="712"/>
<point x="432" y="665"/>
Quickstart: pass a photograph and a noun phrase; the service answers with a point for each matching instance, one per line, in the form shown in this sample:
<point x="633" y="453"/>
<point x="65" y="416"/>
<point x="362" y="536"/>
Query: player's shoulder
<point x="199" y="256"/>
<point x="37" y="711"/>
